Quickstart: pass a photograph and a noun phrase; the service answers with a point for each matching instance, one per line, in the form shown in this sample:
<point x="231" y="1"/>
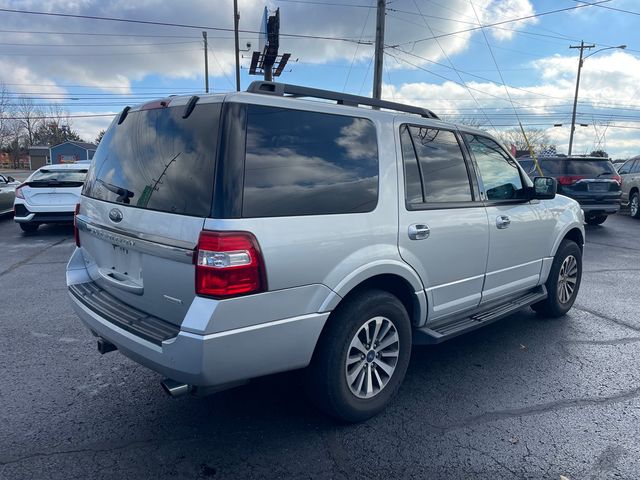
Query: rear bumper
<point x="219" y="358"/>
<point x="25" y="213"/>
<point x="200" y="359"/>
<point x="596" y="208"/>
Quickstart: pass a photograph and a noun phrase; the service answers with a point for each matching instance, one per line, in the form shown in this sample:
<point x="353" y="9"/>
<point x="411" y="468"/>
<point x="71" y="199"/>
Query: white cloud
<point x="138" y="57"/>
<point x="609" y="81"/>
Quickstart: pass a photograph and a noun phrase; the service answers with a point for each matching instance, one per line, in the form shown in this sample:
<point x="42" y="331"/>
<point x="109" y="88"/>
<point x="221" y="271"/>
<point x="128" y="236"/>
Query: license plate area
<point x="125" y="261"/>
<point x="598" y="187"/>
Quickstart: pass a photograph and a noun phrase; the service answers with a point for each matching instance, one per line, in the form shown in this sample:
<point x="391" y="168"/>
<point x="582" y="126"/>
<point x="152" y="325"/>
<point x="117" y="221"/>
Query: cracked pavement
<point x="527" y="397"/>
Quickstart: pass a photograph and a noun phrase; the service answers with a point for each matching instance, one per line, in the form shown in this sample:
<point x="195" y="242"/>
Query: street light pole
<point x="582" y="46"/>
<point x="236" y="19"/>
<point x="575" y="99"/>
<point x="379" y="50"/>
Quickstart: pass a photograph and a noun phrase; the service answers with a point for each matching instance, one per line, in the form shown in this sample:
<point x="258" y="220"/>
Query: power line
<point x="93" y="45"/>
<point x="503" y="22"/>
<point x="355" y="53"/>
<point x="484" y="34"/>
<point x="451" y="63"/>
<point x="94" y="34"/>
<point x="302" y="2"/>
<point x="106" y="54"/>
<point x="169" y="24"/>
<point x="597" y="4"/>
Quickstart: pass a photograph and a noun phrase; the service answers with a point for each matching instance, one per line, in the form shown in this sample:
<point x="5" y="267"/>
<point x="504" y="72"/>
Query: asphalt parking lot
<point x="527" y="397"/>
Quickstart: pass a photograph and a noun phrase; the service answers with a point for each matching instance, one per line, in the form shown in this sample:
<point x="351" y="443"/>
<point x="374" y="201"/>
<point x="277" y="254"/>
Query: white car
<point x="49" y="195"/>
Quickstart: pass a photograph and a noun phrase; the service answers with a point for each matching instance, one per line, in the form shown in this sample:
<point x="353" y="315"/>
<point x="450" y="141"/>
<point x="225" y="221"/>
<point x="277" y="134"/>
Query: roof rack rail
<point x="282" y="89"/>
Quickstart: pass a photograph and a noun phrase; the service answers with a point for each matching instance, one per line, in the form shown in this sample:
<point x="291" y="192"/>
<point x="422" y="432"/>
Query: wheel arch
<point x="576" y="236"/>
<point x="395" y="278"/>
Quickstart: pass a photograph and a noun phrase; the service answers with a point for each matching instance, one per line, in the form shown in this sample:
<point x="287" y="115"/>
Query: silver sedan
<point x="7" y="193"/>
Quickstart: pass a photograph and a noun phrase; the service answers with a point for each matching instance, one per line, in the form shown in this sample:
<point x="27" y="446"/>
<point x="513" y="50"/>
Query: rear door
<point x="443" y="231"/>
<point x="147" y="193"/>
<point x="626" y="175"/>
<point x="519" y="230"/>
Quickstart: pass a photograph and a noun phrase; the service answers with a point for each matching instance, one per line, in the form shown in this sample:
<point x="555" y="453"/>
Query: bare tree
<point x="474" y="122"/>
<point x="5" y="111"/>
<point x="30" y="118"/>
<point x="56" y="128"/>
<point x="537" y="137"/>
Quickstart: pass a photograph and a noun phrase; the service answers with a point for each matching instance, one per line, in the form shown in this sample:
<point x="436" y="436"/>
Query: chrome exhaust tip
<point x="175" y="389"/>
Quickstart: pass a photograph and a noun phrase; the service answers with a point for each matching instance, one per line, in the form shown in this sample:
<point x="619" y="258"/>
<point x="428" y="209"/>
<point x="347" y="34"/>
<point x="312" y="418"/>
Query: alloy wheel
<point x="372" y="357"/>
<point x="634" y="206"/>
<point x="567" y="279"/>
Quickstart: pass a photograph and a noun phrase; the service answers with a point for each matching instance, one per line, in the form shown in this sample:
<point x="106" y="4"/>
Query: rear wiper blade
<point x="604" y="173"/>
<point x="123" y="194"/>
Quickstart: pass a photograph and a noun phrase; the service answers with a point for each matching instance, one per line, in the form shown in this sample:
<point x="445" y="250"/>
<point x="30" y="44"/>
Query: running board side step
<point x="439" y="332"/>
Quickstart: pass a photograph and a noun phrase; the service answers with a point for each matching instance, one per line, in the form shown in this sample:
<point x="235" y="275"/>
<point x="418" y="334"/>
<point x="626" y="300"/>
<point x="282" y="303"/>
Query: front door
<point x="519" y="230"/>
<point x="443" y="231"/>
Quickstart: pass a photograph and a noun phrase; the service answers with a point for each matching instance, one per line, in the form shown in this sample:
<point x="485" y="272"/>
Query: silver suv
<point x="225" y="237"/>
<point x="630" y="175"/>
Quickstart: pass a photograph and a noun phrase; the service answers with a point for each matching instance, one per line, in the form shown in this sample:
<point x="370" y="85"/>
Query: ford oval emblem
<point x="115" y="215"/>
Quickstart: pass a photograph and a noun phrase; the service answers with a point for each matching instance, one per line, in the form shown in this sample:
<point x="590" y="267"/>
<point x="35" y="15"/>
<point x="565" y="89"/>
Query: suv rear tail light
<point x="18" y="191"/>
<point x="617" y="178"/>
<point x="228" y="264"/>
<point x="76" y="232"/>
<point x="569" y="179"/>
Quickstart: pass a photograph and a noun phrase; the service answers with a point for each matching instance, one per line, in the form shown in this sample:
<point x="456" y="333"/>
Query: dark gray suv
<point x="592" y="181"/>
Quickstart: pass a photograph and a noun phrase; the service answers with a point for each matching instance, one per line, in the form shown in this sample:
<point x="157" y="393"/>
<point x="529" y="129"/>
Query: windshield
<point x="53" y="176"/>
<point x="158" y="160"/>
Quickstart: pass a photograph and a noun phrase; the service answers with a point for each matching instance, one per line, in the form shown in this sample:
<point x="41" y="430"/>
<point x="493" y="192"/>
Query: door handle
<point x="419" y="231"/>
<point x="502" y="221"/>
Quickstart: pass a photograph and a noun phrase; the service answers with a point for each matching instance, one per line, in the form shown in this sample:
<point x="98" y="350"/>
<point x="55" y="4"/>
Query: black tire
<point x="326" y="378"/>
<point x="596" y="219"/>
<point x="553" y="306"/>
<point x="634" y="197"/>
<point x="29" y="227"/>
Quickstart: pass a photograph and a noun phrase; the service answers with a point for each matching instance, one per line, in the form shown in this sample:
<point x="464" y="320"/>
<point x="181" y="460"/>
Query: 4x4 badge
<point x="115" y="215"/>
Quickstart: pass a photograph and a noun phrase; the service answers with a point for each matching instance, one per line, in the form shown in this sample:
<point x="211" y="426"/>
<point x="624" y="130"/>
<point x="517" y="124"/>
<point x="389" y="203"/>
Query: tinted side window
<point x="412" y="180"/>
<point x="636" y="167"/>
<point x="552" y="166"/>
<point x="626" y="167"/>
<point x="308" y="163"/>
<point x="528" y="166"/>
<point x="440" y="163"/>
<point x="499" y="172"/>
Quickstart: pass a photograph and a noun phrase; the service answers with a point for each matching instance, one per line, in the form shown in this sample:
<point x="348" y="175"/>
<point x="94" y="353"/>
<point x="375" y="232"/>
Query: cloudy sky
<point x="517" y="66"/>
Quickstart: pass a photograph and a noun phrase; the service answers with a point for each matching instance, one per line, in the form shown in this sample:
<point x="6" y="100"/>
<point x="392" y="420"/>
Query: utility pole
<point x="206" y="63"/>
<point x="236" y="19"/>
<point x="582" y="46"/>
<point x="379" y="53"/>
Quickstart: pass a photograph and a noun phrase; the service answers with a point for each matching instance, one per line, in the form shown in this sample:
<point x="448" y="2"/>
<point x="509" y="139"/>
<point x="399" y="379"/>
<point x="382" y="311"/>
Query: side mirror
<point x="544" y="188"/>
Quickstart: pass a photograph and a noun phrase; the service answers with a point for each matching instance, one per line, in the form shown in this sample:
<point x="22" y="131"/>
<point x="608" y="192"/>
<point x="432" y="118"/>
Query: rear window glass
<point x="589" y="168"/>
<point x="158" y="161"/>
<point x="50" y="175"/>
<point x="308" y="163"/>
